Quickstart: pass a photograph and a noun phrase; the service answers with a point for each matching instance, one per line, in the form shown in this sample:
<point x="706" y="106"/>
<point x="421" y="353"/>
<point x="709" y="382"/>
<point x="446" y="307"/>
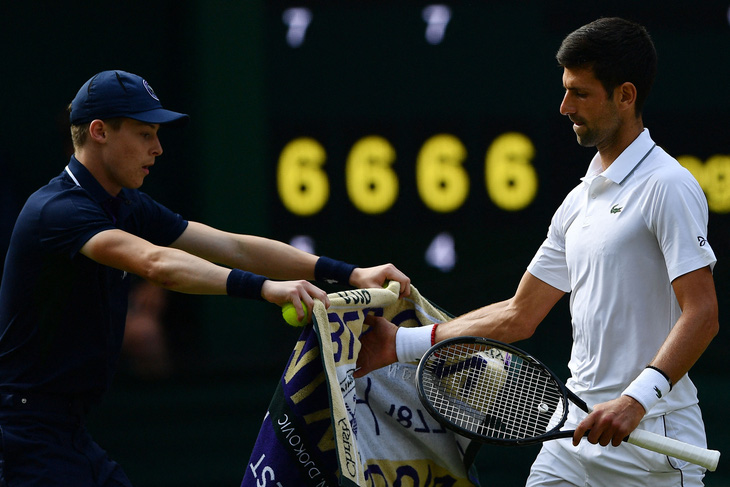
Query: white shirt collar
<point x="624" y="163"/>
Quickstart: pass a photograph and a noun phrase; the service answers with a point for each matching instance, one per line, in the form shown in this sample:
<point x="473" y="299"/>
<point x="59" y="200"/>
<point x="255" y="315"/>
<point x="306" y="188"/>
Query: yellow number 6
<point x="510" y="177"/>
<point x="442" y="182"/>
<point x="371" y="182"/>
<point x="303" y="185"/>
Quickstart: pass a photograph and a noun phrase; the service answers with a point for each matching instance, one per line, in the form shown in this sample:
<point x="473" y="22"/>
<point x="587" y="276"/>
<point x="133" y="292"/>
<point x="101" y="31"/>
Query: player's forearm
<point x="511" y="320"/>
<point x="274" y="259"/>
<point x="695" y="328"/>
<point x="248" y="252"/>
<point x="498" y="321"/>
<point x="179" y="271"/>
<point x="686" y="343"/>
<point x="259" y="255"/>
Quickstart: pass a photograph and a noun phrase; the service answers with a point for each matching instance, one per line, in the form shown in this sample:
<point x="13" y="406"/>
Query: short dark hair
<point x="617" y="51"/>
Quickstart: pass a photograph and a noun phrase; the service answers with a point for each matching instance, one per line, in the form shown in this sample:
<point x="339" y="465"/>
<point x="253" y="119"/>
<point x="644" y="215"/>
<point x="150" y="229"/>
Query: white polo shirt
<point x="616" y="243"/>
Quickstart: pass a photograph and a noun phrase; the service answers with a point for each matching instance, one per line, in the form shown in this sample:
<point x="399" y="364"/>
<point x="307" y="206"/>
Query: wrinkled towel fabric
<point x="325" y="428"/>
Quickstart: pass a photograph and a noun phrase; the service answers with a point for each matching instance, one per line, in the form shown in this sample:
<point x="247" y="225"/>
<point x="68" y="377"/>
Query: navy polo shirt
<point x="62" y="315"/>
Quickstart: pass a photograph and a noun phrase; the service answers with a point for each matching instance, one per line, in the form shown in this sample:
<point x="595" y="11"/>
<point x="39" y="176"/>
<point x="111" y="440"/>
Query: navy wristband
<point x="242" y="284"/>
<point x="332" y="271"/>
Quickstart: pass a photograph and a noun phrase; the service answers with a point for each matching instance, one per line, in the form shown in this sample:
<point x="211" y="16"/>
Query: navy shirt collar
<point x="83" y="178"/>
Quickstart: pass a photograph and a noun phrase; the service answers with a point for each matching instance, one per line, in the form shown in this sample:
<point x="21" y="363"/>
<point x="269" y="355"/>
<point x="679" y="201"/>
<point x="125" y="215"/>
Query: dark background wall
<point x="363" y="69"/>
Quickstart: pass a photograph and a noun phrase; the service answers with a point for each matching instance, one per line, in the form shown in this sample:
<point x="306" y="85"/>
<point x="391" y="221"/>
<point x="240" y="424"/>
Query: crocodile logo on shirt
<point x="616" y="209"/>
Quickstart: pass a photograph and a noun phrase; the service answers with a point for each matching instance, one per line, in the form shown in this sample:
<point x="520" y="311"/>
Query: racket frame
<point x="565" y="393"/>
<point x="644" y="439"/>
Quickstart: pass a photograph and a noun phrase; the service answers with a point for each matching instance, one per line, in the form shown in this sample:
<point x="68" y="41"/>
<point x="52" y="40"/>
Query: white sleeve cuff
<point x="412" y="343"/>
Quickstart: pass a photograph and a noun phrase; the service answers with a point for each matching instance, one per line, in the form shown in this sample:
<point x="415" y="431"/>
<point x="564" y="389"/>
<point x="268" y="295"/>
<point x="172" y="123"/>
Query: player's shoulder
<point x="59" y="200"/>
<point x="665" y="170"/>
<point x="670" y="186"/>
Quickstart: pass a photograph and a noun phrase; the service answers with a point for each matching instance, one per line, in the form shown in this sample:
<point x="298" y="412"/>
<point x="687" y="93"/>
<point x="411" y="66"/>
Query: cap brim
<point x="161" y="116"/>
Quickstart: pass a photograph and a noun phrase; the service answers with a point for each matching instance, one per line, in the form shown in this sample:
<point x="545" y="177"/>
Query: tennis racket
<point x="496" y="393"/>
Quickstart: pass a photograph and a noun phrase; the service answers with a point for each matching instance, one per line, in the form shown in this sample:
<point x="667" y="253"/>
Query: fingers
<point x="299" y="306"/>
<point x="372" y="321"/>
<point x="377" y="276"/>
<point x="309" y="292"/>
<point x="595" y="433"/>
<point x="405" y="287"/>
<point x="597" y="429"/>
<point x="377" y="346"/>
<point x="610" y="422"/>
<point x="579" y="433"/>
<point x="377" y="324"/>
<point x="393" y="274"/>
<point x="361" y="368"/>
<point x="294" y="292"/>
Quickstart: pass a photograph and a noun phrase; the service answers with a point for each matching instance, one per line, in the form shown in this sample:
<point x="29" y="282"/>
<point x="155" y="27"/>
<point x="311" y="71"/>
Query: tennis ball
<point x="289" y="312"/>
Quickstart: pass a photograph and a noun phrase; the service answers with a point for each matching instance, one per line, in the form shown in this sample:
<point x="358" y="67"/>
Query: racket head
<point x="492" y="392"/>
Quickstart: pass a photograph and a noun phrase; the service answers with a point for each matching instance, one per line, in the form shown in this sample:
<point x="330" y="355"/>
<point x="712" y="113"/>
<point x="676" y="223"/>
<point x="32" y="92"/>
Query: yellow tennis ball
<point x="289" y="312"/>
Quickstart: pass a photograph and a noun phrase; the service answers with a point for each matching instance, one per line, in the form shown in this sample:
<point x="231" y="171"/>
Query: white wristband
<point x="648" y="388"/>
<point x="412" y="343"/>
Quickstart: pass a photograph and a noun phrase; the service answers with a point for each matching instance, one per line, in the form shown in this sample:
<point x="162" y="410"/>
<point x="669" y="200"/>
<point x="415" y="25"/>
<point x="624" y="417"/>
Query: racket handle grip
<point x="675" y="448"/>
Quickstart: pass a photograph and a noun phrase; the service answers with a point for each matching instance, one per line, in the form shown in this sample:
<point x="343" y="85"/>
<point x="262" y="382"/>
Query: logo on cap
<point x="150" y="90"/>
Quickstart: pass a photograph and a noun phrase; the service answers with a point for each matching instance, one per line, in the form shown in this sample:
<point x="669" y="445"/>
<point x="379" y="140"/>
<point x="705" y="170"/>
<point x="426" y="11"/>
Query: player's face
<point x="594" y="114"/>
<point x="131" y="152"/>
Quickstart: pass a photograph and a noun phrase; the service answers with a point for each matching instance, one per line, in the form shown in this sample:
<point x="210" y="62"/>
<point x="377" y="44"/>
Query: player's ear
<point x="625" y="94"/>
<point x="97" y="131"/>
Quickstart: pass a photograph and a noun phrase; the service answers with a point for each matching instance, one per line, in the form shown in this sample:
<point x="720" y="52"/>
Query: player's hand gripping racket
<point x="496" y="393"/>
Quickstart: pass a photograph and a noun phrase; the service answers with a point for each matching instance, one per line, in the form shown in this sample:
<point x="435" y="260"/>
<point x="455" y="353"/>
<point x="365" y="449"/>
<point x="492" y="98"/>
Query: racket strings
<point x="491" y="392"/>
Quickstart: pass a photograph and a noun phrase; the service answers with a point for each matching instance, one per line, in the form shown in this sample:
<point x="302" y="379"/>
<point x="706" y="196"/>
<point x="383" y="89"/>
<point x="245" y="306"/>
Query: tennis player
<point x="629" y="244"/>
<point x="64" y="289"/>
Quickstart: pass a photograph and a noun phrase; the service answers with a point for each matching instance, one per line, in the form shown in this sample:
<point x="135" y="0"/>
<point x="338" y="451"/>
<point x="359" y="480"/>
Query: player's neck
<point x="93" y="163"/>
<point x="625" y="136"/>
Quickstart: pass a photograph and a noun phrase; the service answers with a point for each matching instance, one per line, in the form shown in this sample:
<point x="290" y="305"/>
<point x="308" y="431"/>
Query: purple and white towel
<point x="325" y="428"/>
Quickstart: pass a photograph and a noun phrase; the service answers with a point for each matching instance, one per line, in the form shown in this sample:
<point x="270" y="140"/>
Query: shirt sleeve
<point x="68" y="221"/>
<point x="678" y="215"/>
<point x="549" y="263"/>
<point x="156" y="223"/>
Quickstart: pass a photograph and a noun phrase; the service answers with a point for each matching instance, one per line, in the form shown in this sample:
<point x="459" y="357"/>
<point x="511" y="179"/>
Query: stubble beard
<point x="588" y="138"/>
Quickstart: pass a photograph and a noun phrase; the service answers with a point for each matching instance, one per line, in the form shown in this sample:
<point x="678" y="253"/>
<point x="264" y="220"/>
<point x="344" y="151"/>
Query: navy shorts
<point x="45" y="443"/>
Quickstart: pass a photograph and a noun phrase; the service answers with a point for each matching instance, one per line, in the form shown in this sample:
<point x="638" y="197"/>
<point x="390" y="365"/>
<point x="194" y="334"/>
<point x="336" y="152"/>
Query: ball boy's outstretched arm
<point x="200" y="262"/>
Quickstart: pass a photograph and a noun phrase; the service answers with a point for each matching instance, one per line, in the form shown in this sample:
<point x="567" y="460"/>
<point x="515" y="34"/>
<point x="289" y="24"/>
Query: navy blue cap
<point x="112" y="94"/>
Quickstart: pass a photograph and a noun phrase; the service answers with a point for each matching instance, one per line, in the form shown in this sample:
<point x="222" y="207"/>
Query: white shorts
<point x="559" y="463"/>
